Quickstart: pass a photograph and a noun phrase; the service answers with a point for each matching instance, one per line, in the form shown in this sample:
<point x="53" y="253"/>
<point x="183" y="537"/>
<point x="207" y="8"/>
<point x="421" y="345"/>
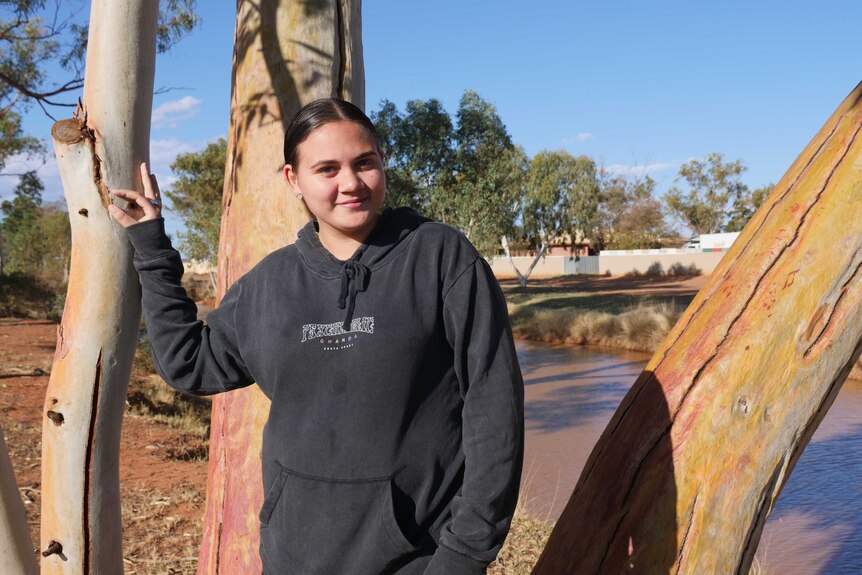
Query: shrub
<point x="655" y="270"/>
<point x="678" y="269"/>
<point x="22" y="295"/>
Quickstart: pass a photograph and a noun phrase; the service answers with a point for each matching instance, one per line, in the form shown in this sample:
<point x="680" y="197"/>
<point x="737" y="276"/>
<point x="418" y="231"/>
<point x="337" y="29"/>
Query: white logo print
<point x="322" y="330"/>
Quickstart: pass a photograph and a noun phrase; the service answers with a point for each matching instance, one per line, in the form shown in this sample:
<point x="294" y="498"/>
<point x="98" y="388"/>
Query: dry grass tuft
<point x="153" y="513"/>
<point x="640" y="328"/>
<point x="152" y="398"/>
<point x="523" y="546"/>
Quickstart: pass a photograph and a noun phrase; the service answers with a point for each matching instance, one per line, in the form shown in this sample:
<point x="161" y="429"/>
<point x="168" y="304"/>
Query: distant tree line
<point x="34" y="237"/>
<point x="466" y="171"/>
<point x="463" y="170"/>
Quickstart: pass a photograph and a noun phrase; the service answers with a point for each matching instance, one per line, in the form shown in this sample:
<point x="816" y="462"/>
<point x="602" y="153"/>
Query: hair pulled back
<point x="316" y="114"/>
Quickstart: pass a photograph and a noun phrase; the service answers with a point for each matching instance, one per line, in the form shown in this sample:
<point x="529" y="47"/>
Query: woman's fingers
<point x="141" y="207"/>
<point x="151" y="189"/>
<point x="122" y="216"/>
<point x="151" y="185"/>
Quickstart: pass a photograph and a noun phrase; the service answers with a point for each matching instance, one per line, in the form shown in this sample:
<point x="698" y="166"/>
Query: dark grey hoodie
<point x="395" y="436"/>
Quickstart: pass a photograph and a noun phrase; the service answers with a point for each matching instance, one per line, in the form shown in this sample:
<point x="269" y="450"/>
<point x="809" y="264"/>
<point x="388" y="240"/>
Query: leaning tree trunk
<point x="98" y="150"/>
<point x="689" y="467"/>
<point x="286" y="54"/>
<point x="16" y="549"/>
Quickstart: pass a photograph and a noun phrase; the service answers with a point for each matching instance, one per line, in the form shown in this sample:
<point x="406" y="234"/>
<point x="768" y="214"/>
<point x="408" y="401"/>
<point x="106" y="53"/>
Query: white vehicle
<point x="711" y="242"/>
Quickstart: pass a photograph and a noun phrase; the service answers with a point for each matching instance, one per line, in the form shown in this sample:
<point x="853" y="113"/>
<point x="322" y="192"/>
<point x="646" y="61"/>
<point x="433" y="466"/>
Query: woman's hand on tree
<point x="142" y="207"/>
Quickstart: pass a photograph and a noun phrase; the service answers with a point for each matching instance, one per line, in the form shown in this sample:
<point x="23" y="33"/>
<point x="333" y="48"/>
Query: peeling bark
<point x="733" y="395"/>
<point x="286" y="54"/>
<point x="99" y="149"/>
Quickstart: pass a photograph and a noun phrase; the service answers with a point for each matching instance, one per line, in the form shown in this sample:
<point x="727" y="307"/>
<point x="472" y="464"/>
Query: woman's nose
<point x="350" y="181"/>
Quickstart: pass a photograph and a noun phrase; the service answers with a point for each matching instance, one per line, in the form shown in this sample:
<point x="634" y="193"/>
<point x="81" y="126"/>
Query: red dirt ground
<point x="162" y="496"/>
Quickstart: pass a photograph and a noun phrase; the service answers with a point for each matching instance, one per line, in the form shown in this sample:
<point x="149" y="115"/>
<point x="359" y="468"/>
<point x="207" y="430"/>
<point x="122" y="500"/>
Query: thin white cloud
<point x="46" y="168"/>
<point x="638" y="170"/>
<point x="582" y="137"/>
<point x="163" y="152"/>
<point x="169" y="114"/>
<point x="20" y="163"/>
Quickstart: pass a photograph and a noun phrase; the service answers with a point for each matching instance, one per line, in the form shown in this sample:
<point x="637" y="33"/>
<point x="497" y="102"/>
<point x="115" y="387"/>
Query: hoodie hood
<point x="393" y="228"/>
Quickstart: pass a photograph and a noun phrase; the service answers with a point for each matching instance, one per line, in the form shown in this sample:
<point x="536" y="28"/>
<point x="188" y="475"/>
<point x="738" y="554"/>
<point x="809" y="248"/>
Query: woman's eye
<point x="326" y="170"/>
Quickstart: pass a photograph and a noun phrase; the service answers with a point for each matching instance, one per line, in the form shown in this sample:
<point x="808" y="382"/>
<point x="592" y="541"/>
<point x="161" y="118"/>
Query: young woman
<point x="395" y="436"/>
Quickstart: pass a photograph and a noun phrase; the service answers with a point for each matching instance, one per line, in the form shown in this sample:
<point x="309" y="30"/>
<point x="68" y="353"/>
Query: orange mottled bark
<point x="688" y="469"/>
<point x="286" y="54"/>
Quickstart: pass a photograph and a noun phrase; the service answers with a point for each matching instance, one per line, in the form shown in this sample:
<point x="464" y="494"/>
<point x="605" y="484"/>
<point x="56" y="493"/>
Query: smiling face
<point x="339" y="173"/>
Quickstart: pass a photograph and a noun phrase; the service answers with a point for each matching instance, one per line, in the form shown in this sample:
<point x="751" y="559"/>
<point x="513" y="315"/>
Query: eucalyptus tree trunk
<point x="96" y="151"/>
<point x="689" y="467"/>
<point x="523" y="278"/>
<point x="287" y="53"/>
<point x="16" y="549"/>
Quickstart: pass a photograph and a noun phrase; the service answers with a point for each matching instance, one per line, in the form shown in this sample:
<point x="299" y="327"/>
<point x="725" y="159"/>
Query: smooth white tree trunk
<point x="523" y="278"/>
<point x="16" y="549"/>
<point x="98" y="150"/>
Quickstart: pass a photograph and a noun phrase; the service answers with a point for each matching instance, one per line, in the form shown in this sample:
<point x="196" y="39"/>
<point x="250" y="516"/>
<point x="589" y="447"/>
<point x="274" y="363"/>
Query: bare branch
<point x="166" y="89"/>
<point x="43" y="97"/>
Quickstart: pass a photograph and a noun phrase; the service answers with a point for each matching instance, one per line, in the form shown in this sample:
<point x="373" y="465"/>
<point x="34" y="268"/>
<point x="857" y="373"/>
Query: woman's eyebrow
<point x="361" y="156"/>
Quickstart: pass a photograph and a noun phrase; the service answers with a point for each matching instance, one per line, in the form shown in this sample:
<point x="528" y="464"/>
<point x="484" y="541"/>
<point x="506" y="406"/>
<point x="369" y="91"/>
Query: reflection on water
<point x="821" y="505"/>
<point x="572" y="392"/>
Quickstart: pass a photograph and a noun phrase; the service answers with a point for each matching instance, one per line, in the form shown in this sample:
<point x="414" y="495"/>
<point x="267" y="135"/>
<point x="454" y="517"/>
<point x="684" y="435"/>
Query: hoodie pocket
<point x="319" y="525"/>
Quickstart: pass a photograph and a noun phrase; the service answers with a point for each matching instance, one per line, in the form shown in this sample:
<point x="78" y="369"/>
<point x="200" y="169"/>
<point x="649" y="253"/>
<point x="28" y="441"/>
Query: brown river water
<point x="572" y="392"/>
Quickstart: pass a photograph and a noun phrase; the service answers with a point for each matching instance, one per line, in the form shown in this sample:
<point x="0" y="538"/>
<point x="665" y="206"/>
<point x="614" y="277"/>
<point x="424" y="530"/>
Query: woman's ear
<point x="290" y="177"/>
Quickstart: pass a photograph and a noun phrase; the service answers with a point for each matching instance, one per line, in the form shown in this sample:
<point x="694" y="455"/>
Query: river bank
<point x="624" y="313"/>
<point x="630" y="313"/>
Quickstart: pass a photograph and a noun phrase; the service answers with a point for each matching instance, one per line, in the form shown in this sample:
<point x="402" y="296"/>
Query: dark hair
<point x="316" y="114"/>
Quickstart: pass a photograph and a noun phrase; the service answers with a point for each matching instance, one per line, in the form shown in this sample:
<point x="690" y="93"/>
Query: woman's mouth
<point x="353" y="203"/>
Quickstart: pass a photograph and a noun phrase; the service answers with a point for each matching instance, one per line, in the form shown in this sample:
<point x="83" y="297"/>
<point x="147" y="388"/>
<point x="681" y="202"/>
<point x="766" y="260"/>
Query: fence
<point x="581" y="265"/>
<point x="617" y="264"/>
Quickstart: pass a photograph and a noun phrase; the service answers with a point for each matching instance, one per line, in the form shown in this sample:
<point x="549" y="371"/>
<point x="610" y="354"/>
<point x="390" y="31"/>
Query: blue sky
<point x="639" y="86"/>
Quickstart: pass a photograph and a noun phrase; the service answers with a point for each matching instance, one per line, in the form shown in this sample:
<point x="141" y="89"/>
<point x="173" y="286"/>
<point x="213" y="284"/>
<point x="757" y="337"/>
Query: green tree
<point x="745" y="203"/>
<point x="711" y="185"/>
<point x="612" y="202"/>
<point x="629" y="215"/>
<point x="466" y="173"/>
<point x="418" y="147"/>
<point x="196" y="196"/>
<point x="559" y="204"/>
<point x="482" y="193"/>
<point x="56" y="244"/>
<point x="561" y="199"/>
<point x="24" y="45"/>
<point x="21" y="226"/>
<point x="36" y="238"/>
<point x="35" y="34"/>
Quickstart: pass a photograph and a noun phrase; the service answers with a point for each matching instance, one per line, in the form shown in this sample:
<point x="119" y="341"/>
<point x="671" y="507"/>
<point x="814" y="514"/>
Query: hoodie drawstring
<point x="354" y="278"/>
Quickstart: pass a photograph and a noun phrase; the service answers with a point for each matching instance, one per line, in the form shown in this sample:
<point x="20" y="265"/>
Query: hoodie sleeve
<point x="190" y="355"/>
<point x="477" y="327"/>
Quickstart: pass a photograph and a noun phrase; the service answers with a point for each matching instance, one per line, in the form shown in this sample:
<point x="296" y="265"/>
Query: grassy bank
<point x="633" y="313"/>
<point x="624" y="313"/>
